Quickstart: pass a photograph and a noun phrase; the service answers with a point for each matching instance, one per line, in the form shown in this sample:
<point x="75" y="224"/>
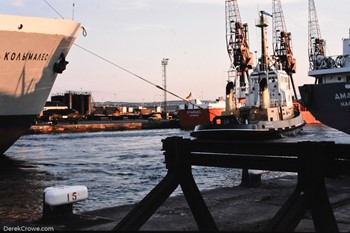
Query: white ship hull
<point x="29" y="49"/>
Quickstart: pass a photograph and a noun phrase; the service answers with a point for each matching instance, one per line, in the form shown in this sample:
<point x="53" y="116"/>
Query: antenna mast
<point x="73" y="11"/>
<point x="264" y="60"/>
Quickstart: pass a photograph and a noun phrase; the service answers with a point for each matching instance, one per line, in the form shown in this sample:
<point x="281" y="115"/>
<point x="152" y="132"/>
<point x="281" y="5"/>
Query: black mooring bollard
<point x="250" y="179"/>
<point x="58" y="201"/>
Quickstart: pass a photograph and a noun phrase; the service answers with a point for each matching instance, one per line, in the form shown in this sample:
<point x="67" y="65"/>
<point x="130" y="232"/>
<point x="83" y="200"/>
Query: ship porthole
<point x="20" y="26"/>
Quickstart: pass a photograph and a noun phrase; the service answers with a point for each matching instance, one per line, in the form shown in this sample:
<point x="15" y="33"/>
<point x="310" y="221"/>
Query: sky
<point x="137" y="34"/>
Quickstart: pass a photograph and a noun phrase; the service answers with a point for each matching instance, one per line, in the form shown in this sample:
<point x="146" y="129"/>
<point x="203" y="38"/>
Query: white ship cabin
<point x="276" y="97"/>
<point x="332" y="69"/>
<point x="198" y="104"/>
<point x="279" y="89"/>
<point x="278" y="92"/>
<point x="193" y="104"/>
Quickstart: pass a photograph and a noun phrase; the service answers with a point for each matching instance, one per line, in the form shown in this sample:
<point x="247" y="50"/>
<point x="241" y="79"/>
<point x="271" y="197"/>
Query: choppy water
<point x="117" y="167"/>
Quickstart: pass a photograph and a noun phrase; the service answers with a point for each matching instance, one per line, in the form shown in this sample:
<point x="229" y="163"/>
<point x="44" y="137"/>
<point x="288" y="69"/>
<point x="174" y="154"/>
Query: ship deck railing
<point x="329" y="62"/>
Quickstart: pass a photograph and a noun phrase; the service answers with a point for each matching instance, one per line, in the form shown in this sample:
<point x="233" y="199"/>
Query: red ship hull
<point x="189" y="118"/>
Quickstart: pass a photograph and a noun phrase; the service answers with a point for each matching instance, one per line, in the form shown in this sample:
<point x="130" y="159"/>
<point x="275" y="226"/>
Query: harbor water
<point x="118" y="168"/>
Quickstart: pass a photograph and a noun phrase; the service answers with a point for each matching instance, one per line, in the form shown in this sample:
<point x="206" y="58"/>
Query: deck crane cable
<point x="53" y="9"/>
<point x="138" y="76"/>
<point x="124" y="69"/>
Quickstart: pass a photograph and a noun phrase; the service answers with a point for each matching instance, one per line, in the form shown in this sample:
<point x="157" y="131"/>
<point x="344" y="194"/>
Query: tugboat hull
<point x="261" y="130"/>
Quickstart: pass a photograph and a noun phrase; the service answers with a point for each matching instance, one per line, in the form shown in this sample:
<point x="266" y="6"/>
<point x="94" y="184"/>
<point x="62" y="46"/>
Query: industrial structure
<point x="164" y="64"/>
<point x="80" y="101"/>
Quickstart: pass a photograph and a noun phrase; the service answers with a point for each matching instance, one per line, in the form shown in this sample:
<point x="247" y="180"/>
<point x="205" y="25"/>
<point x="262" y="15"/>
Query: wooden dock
<point x="312" y="161"/>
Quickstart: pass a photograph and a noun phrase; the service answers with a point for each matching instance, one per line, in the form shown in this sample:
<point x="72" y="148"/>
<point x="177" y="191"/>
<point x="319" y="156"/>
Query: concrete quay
<point x="234" y="209"/>
<point x="97" y="126"/>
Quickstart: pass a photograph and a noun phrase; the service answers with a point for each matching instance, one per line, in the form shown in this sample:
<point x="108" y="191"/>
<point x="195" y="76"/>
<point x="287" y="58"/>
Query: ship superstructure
<point x="328" y="99"/>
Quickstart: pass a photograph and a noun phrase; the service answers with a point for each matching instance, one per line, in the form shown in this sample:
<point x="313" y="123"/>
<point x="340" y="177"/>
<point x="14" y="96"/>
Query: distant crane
<point x="237" y="38"/>
<point x="282" y="42"/>
<point x="316" y="43"/>
<point x="238" y="50"/>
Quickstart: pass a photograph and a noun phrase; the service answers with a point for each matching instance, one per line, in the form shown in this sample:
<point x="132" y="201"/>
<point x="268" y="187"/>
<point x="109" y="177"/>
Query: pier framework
<point x="312" y="161"/>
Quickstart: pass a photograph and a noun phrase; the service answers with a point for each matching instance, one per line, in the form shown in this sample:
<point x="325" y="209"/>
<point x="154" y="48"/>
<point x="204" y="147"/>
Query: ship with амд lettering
<point x="329" y="98"/>
<point x="32" y="52"/>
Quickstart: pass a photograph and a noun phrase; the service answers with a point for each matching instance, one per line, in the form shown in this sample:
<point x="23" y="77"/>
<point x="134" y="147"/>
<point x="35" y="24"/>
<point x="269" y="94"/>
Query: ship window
<point x="339" y="78"/>
<point x="348" y="78"/>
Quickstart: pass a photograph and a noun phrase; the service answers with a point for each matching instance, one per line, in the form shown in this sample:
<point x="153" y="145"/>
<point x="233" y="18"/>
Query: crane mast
<point x="316" y="43"/>
<point x="282" y="42"/>
<point x="237" y="38"/>
<point x="241" y="59"/>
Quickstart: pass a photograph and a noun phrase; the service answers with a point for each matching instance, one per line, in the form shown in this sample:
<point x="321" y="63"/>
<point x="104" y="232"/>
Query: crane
<point x="282" y="42"/>
<point x="316" y="43"/>
<point x="237" y="38"/>
<point x="240" y="56"/>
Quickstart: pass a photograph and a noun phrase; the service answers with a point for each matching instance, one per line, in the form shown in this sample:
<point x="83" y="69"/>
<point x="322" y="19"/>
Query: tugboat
<point x="259" y="109"/>
<point x="328" y="99"/>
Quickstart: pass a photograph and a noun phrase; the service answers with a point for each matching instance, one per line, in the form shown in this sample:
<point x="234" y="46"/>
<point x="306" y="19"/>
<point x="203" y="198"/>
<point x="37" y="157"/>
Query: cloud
<point x="213" y="2"/>
<point x="17" y="3"/>
<point x="243" y="3"/>
<point x="145" y="27"/>
<point x="127" y="5"/>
